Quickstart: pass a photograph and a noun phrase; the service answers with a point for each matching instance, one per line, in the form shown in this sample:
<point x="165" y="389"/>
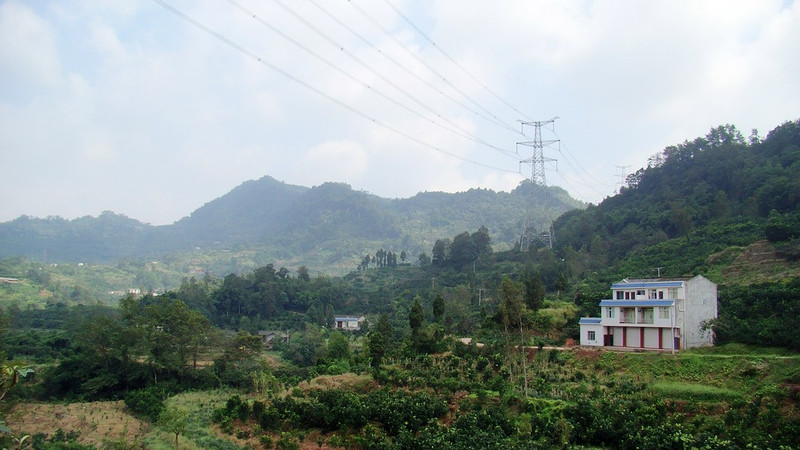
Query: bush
<point x="147" y="402"/>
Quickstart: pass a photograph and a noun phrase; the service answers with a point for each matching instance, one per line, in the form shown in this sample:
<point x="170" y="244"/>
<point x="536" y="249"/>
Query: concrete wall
<point x="701" y="306"/>
<point x="598" y="335"/>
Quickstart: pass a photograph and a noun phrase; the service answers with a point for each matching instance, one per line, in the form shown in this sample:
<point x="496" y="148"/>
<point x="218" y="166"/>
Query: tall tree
<point x="416" y="316"/>
<point x="376" y="346"/>
<point x="463" y="251"/>
<point x="440" y="251"/>
<point x="438" y="307"/>
<point x="512" y="311"/>
<point x="534" y="289"/>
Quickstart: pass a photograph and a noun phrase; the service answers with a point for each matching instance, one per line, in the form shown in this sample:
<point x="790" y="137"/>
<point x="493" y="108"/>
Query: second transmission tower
<point x="538" y="178"/>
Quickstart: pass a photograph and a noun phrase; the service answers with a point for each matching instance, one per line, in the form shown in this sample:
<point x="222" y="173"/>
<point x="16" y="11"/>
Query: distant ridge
<point x="290" y="220"/>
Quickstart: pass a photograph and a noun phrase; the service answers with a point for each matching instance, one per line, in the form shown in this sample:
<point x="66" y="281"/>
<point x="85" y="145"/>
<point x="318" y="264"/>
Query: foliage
<point x="762" y="314"/>
<point x="698" y="187"/>
<point x="174" y="420"/>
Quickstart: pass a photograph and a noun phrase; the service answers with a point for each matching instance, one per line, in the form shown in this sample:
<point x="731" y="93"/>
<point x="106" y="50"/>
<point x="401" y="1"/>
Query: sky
<point x="151" y="108"/>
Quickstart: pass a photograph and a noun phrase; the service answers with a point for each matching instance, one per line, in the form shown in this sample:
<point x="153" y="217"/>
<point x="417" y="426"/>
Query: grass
<point x="677" y="390"/>
<point x="96" y="422"/>
<point x="199" y="433"/>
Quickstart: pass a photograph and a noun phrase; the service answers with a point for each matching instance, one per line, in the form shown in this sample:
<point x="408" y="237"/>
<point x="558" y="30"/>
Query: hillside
<point x="324" y="227"/>
<point x="692" y="204"/>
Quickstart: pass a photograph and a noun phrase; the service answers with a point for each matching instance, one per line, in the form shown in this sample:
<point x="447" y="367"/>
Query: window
<point x="647" y="315"/>
<point x="628" y="315"/>
<point x="590" y="335"/>
<point x="640" y="292"/>
<point x="610" y="313"/>
<point x="663" y="312"/>
<point x="619" y="295"/>
<point x="672" y="293"/>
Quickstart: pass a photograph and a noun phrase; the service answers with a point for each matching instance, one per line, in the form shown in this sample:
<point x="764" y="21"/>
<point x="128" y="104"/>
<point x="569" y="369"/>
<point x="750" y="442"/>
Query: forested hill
<point x="693" y="204"/>
<point x="324" y="225"/>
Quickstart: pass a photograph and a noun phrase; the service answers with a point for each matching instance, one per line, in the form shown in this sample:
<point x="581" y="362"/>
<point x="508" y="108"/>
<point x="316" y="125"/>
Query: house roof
<point x="637" y="302"/>
<point x="636" y="284"/>
<point x="348" y="318"/>
<point x="590" y="321"/>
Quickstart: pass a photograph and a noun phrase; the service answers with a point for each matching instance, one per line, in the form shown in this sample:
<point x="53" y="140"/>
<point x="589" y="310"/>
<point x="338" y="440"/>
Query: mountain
<point x="694" y="208"/>
<point x="103" y="238"/>
<point x="325" y="225"/>
<point x="250" y="213"/>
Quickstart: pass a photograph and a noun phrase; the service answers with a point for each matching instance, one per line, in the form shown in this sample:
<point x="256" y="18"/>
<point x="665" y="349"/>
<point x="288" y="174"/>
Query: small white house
<point x="662" y="313"/>
<point x="349" y="323"/>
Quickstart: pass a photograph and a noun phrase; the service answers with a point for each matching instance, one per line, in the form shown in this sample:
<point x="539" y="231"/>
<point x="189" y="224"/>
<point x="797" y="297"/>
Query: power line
<point x="566" y="150"/>
<point x="446" y="55"/>
<point x="493" y="118"/>
<point x="311" y="88"/>
<point x="457" y="129"/>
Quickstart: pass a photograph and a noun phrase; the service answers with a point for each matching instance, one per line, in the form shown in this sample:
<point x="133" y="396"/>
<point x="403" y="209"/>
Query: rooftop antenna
<point x="659" y="271"/>
<point x="537" y="162"/>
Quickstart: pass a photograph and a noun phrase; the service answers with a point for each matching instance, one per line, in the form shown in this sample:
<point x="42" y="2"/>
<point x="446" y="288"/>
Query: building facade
<point x="662" y="313"/>
<point x="349" y="323"/>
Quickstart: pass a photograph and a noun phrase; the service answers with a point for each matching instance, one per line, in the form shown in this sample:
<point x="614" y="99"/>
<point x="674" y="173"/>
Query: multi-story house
<point x="662" y="313"/>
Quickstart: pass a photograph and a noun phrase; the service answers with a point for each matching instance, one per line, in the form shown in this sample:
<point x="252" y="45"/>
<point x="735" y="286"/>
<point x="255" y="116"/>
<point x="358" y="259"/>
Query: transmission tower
<point x="622" y="175"/>
<point x="538" y="178"/>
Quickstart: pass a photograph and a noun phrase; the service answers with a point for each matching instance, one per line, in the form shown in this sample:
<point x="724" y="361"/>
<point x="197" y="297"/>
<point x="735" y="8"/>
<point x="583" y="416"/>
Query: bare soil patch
<point x="95" y="422"/>
<point x="347" y="382"/>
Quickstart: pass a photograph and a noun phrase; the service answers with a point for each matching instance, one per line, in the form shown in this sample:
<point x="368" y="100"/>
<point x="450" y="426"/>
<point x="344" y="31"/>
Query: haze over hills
<point x="327" y="224"/>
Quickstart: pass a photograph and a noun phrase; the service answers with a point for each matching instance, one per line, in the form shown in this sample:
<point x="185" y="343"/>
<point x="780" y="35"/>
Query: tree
<point x="440" y="251"/>
<point x="302" y="273"/>
<point x="377" y="349"/>
<point x="534" y="289"/>
<point x="174" y="420"/>
<point x="483" y="243"/>
<point x="424" y="260"/>
<point x="385" y="329"/>
<point x="561" y="283"/>
<point x="438" y="307"/>
<point x="512" y="312"/>
<point x="338" y="347"/>
<point x="462" y="251"/>
<point x="416" y="316"/>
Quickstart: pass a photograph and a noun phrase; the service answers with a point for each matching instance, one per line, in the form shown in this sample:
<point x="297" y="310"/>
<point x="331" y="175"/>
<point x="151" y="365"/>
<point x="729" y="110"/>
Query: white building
<point x="349" y="323"/>
<point x="662" y="313"/>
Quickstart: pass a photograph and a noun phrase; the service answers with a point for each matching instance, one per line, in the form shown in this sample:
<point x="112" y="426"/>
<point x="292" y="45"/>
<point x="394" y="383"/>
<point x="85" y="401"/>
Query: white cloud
<point x="28" y="52"/>
<point x="125" y="106"/>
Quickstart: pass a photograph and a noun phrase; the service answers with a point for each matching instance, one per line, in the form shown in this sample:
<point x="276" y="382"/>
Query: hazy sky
<point x="127" y="106"/>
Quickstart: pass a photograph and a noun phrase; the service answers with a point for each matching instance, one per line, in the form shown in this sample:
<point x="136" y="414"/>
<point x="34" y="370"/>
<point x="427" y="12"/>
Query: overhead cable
<point x="311" y="88"/>
<point x="446" y="55"/>
<point x="492" y="118"/>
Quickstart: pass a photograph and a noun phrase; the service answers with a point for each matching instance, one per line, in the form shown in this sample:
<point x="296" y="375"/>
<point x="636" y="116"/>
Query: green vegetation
<point x="187" y="357"/>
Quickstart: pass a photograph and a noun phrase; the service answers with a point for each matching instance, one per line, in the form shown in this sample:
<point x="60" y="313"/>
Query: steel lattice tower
<point x="538" y="178"/>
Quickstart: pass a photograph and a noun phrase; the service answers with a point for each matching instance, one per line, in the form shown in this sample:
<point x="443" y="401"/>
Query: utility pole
<point x="538" y="178"/>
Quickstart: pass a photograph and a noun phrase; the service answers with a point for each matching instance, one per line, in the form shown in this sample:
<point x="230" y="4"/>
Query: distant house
<point x="268" y="337"/>
<point x="349" y="323"/>
<point x="661" y="313"/>
<point x="7" y="280"/>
